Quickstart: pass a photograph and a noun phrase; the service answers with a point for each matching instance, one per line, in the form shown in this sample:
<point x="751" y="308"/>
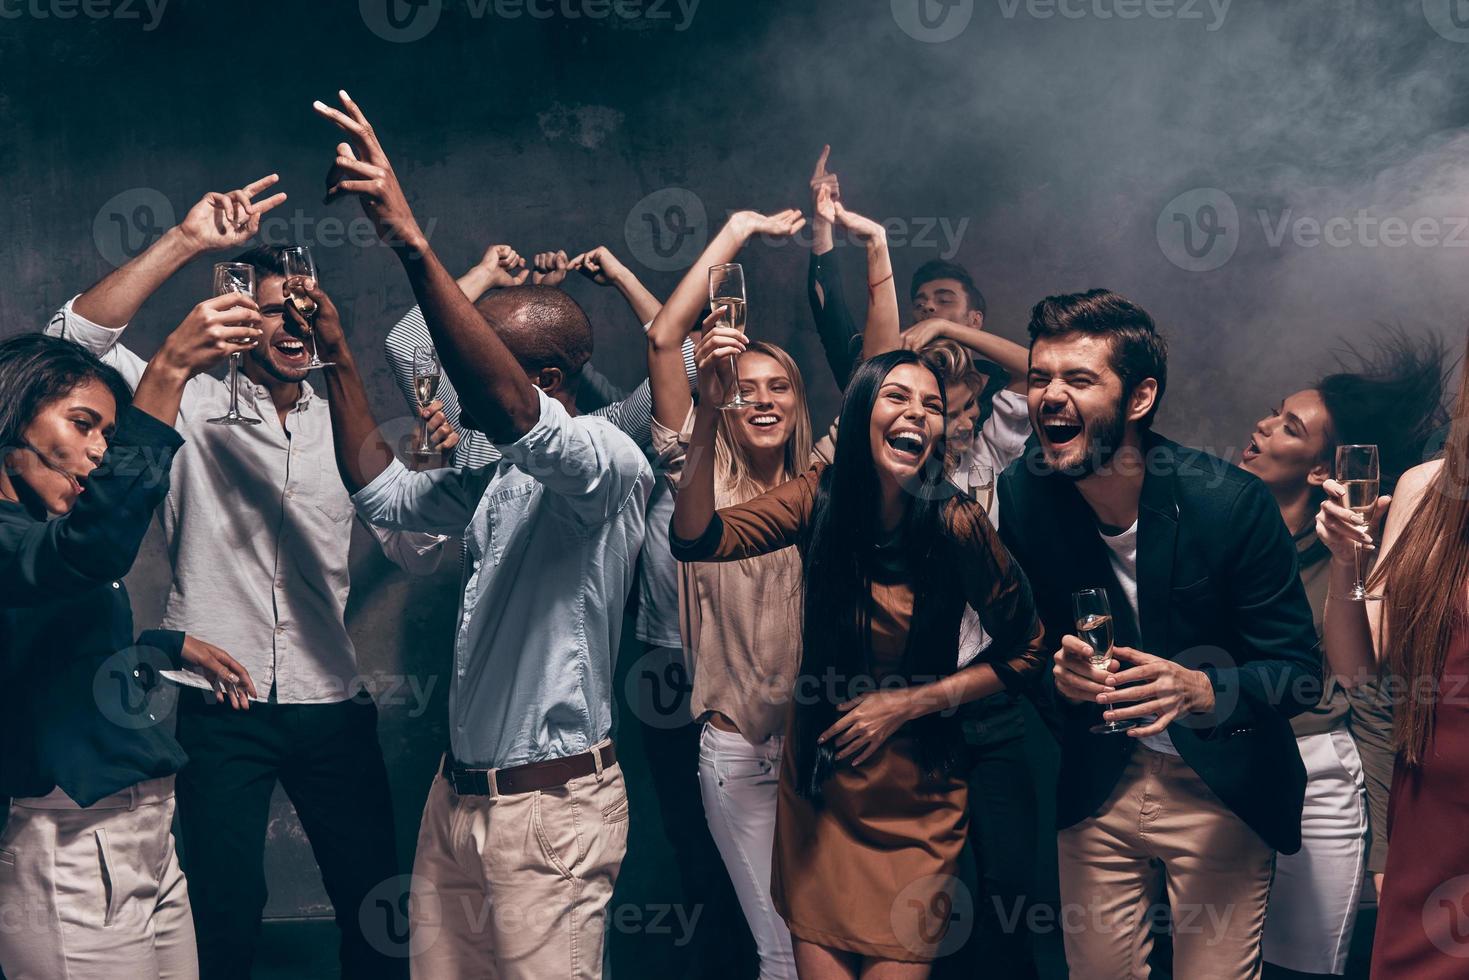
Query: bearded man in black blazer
<point x="1214" y="650"/>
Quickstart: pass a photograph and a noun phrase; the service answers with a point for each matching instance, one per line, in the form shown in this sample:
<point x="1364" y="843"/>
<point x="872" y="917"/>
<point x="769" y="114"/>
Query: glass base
<point x="314" y="363"/>
<point x="1361" y="595"/>
<point x="235" y="419"/>
<point x="425" y="451"/>
<point x="1114" y="727"/>
<point x="736" y="403"/>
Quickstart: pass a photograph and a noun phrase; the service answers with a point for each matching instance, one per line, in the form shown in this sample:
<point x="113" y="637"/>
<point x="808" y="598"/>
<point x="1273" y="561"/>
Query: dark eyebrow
<point x="897" y="384"/>
<point x="1293" y="417"/>
<point x="91" y="413"/>
<point x="1080" y="373"/>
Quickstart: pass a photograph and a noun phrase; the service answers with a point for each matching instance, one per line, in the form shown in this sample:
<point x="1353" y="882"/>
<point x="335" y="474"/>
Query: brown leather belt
<point x="527" y="778"/>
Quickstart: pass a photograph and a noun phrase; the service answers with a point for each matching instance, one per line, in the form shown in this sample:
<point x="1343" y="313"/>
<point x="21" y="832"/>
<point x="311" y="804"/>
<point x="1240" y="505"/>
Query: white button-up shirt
<point x="258" y="527"/>
<point x="551" y="533"/>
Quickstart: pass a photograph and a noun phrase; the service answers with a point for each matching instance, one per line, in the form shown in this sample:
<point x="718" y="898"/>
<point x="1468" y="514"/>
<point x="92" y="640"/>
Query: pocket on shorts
<point x="557" y="828"/>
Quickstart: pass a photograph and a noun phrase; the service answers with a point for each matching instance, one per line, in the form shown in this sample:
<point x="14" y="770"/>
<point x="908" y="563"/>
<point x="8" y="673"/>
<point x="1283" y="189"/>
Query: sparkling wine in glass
<point x="1357" y="470"/>
<point x="1094" y="626"/>
<point x="727" y="297"/>
<point x="234" y="277"/>
<point x="981" y="479"/>
<point x="426" y="373"/>
<point x="297" y="261"/>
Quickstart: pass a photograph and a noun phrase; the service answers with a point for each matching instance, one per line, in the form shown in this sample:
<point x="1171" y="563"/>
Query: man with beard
<point x="1214" y="650"/>
<point x="258" y="526"/>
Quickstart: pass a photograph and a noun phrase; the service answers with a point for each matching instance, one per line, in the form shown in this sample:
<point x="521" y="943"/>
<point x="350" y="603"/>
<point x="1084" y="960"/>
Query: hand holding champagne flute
<point x="298" y="262"/>
<point x="1094" y="626"/>
<point x="426" y="373"/>
<point x="1358" y="472"/>
<point x="727" y="300"/>
<point x="234" y="277"/>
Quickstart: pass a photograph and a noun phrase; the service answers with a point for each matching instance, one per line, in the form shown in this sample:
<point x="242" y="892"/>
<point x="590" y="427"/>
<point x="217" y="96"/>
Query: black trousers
<point x="1002" y="845"/>
<point x="328" y="759"/>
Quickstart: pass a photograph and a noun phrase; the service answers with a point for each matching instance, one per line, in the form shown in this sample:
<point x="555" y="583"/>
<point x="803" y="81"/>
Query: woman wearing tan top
<point x="740" y="621"/>
<point x="871" y="816"/>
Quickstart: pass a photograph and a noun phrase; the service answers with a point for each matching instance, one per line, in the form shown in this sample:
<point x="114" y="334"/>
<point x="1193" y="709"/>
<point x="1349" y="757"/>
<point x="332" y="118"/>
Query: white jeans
<point x="1313" y="902"/>
<point x="738" y="783"/>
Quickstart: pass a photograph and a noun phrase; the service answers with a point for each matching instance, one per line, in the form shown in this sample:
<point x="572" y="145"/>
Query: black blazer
<point x="1218" y="589"/>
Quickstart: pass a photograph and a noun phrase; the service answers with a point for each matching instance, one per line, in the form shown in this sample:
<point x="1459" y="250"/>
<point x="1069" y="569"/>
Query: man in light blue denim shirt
<point x="525" y="829"/>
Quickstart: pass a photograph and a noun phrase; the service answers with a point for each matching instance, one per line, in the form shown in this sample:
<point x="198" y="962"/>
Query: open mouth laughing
<point x="290" y="351"/>
<point x="1061" y="432"/>
<point x="907" y="443"/>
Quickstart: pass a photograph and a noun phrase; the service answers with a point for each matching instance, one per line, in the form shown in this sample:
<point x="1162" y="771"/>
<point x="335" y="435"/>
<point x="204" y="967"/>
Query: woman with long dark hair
<point x="87" y="857"/>
<point x="1417" y="638"/>
<point x="871" y="815"/>
<point x="1391" y="397"/>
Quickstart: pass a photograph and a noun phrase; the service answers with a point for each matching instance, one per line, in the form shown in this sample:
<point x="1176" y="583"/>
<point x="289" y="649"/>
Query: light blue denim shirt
<point x="551" y="534"/>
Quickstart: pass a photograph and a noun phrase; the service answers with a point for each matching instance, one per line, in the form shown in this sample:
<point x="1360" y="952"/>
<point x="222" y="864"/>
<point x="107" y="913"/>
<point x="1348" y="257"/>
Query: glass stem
<point x="234" y="384"/>
<point x="734" y="367"/>
<point x="423" y="447"/>
<point x="1361" y="586"/>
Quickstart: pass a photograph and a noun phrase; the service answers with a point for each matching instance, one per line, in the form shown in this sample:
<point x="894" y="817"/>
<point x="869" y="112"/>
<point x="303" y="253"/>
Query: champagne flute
<point x="234" y="277"/>
<point x="981" y="480"/>
<point x="727" y="293"/>
<point x="1357" y="470"/>
<point x="297" y="261"/>
<point x="426" y="372"/>
<point x="1094" y="625"/>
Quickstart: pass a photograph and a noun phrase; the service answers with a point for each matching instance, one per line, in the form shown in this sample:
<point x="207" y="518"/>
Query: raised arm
<point x="1006" y="353"/>
<point x="218" y="221"/>
<point x="881" y="332"/>
<point x="671" y="327"/>
<point x="605" y="269"/>
<point x="490" y="382"/>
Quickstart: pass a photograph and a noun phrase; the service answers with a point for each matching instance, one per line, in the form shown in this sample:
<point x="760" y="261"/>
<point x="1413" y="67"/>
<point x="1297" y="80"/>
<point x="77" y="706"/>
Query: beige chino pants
<point x="516" y="886"/>
<point x="1162" y="824"/>
<point x="95" y="894"/>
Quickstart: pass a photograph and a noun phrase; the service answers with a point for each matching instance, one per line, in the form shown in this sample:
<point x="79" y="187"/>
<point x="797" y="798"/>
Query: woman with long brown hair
<point x="1417" y="636"/>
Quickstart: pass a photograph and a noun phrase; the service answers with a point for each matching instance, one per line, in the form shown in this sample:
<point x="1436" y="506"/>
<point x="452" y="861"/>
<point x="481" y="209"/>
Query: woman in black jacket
<point x="89" y="883"/>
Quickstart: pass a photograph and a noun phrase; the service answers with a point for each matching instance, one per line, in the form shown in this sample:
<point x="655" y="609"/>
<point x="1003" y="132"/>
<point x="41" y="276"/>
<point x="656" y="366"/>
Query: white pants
<point x="1313" y="902"/>
<point x="738" y="783"/>
<point x="95" y="894"/>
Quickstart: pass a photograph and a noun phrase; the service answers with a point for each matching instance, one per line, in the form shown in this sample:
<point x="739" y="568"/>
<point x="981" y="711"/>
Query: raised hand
<point x="441" y="435"/>
<point x="599" y="265"/>
<point x="825" y="186"/>
<point x="865" y="230"/>
<point x="503" y="267"/>
<point x="550" y="268"/>
<point x="216" y="328"/>
<point x="228" y="220"/>
<point x="716" y="373"/>
<point x="362" y="168"/>
<point x="925" y="332"/>
<point x="781" y="224"/>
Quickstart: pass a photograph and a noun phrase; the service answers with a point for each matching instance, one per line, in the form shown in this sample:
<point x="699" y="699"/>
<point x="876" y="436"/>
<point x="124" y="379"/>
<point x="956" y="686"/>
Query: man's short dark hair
<point x="939" y="269"/>
<point x="1139" y="352"/>
<point x="268" y="260"/>
<point x="542" y="326"/>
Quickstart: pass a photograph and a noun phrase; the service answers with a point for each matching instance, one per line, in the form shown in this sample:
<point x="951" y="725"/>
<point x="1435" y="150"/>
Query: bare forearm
<point x="160" y="390"/>
<point x="678" y="316"/>
<point x="116" y="299"/>
<point x="475" y="283"/>
<point x="1006" y="353"/>
<point x="362" y="453"/>
<point x="1346" y="630"/>
<point x="881" y="332"/>
<point x="490" y="382"/>
<point x="969" y="684"/>
<point x="645" y="305"/>
<point x="693" y="509"/>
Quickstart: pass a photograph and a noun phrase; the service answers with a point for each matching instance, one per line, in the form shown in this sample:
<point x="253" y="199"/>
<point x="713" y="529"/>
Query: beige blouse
<point x="740" y="622"/>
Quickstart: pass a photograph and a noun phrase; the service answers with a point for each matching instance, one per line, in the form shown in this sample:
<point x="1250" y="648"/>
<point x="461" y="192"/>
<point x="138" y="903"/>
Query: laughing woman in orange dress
<point x="872" y="812"/>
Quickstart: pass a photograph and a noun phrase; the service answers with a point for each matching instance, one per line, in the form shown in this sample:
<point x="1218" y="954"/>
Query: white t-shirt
<point x="1122" y="552"/>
